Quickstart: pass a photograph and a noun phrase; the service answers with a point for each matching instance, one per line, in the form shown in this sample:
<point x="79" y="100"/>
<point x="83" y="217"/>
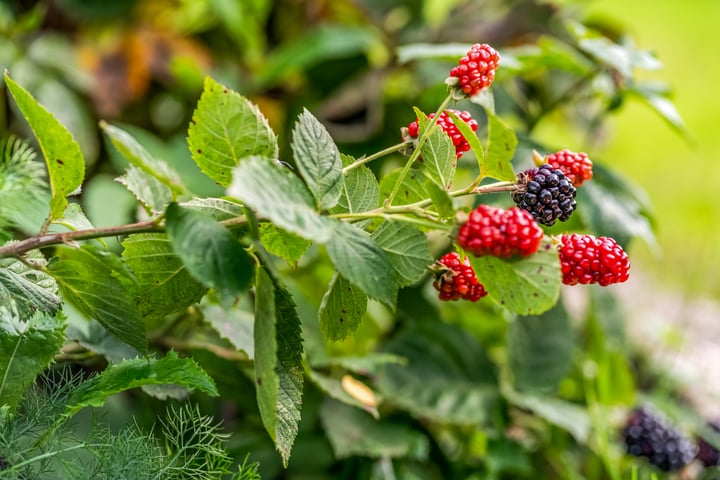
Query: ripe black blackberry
<point x="546" y="193"/>
<point x="648" y="434"/>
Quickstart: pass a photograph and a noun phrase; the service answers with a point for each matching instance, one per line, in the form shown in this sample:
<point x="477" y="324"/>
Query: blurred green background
<point x="680" y="175"/>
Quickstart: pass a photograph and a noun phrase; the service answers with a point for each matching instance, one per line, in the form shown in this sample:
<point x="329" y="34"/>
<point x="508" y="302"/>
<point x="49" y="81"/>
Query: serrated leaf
<point x="30" y="290"/>
<point x="568" y="416"/>
<point x="278" y="362"/>
<point x="27" y="347"/>
<point x="500" y="149"/>
<point x="362" y="262"/>
<point x="274" y="192"/>
<point x="528" y="286"/>
<point x="341" y="309"/>
<point x="74" y="218"/>
<point x="438" y="158"/>
<point x="448" y="376"/>
<point x="470" y="137"/>
<point x="163" y="284"/>
<point x="86" y="279"/>
<point x="353" y="432"/>
<point x="411" y="190"/>
<point x="282" y="243"/>
<point x="210" y="252"/>
<point x="360" y="191"/>
<point x="217" y="208"/>
<point x="407" y="249"/>
<point x="151" y="192"/>
<point x="138" y="372"/>
<point x="235" y="325"/>
<point x="318" y="160"/>
<point x="63" y="157"/>
<point x="226" y="128"/>
<point x="139" y="157"/>
<point x="540" y="349"/>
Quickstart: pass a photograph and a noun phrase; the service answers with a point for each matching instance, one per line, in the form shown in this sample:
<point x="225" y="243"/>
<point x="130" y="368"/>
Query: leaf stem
<point x="376" y="155"/>
<point x="416" y="153"/>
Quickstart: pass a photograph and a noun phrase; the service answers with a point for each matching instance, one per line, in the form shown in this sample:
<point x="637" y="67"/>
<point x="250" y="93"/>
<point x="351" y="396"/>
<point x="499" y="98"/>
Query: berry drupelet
<point x="456" y="279"/>
<point x="648" y="434"/>
<point x="450" y="129"/>
<point x="475" y="71"/>
<point x="501" y="233"/>
<point x="587" y="259"/>
<point x="546" y="193"/>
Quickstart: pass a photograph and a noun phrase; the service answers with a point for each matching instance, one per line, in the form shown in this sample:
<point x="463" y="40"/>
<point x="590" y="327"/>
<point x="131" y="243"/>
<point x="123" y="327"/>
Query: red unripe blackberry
<point x="475" y="71"/>
<point x="587" y="259"/>
<point x="456" y="279"/>
<point x="450" y="129"/>
<point x="576" y="166"/>
<point x="648" y="434"/>
<point x="546" y="194"/>
<point x="501" y="233"/>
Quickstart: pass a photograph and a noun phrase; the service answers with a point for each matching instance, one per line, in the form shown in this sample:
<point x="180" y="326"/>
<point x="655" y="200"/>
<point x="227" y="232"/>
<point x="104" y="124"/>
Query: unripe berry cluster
<point x="576" y="166"/>
<point x="501" y="233"/>
<point x="456" y="279"/>
<point x="586" y="259"/>
<point x="475" y="71"/>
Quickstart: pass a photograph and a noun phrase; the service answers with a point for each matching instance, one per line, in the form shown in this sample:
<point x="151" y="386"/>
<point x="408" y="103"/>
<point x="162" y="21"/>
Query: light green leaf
<point x="524" y="285"/>
<point x="282" y="243"/>
<point x="275" y="193"/>
<point x="278" y="362"/>
<point x="407" y="249"/>
<point x="209" y="252"/>
<point x="236" y="325"/>
<point x="226" y="128"/>
<point x="26" y="349"/>
<point x="74" y="218"/>
<point x="139" y="157"/>
<point x="63" y="157"/>
<point x="151" y="192"/>
<point x="353" y="432"/>
<point x="658" y="101"/>
<point x="362" y="262"/>
<point x="470" y="136"/>
<point x="30" y="290"/>
<point x="448" y="377"/>
<point x="342" y="309"/>
<point x="441" y="200"/>
<point x="318" y="160"/>
<point x="217" y="208"/>
<point x="163" y="284"/>
<point x="360" y="191"/>
<point x="438" y="158"/>
<point x="568" y="416"/>
<point x="411" y="190"/>
<point x="540" y="349"/>
<point x="500" y="149"/>
<point x="138" y="372"/>
<point x="88" y="281"/>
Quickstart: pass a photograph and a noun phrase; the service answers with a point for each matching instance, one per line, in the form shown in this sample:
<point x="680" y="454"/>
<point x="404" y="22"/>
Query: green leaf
<point x="137" y="372"/>
<point x="63" y="157"/>
<point x="282" y="243"/>
<point x="610" y="205"/>
<point x="568" y="416"/>
<point x="441" y="200"/>
<point x="209" y="252"/>
<point x="30" y="290"/>
<point x="236" y="325"/>
<point x="411" y="190"/>
<point x="500" y="149"/>
<point x="407" y="249"/>
<point x="438" y="158"/>
<point x="26" y="349"/>
<point x="342" y="309"/>
<point x="353" y="432"/>
<point x="524" y="285"/>
<point x="151" y="192"/>
<point x="448" y="377"/>
<point x="278" y="362"/>
<point x="333" y="388"/>
<point x="88" y="281"/>
<point x="140" y="158"/>
<point x="318" y="160"/>
<point x="360" y="191"/>
<point x="275" y="193"/>
<point x="217" y="208"/>
<point x="163" y="284"/>
<point x="658" y="101"/>
<point x="540" y="349"/>
<point x="361" y="261"/>
<point x="470" y="136"/>
<point x="226" y="128"/>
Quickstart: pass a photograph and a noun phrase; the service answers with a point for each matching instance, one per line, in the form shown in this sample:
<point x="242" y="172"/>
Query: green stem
<point x="416" y="152"/>
<point x="375" y="156"/>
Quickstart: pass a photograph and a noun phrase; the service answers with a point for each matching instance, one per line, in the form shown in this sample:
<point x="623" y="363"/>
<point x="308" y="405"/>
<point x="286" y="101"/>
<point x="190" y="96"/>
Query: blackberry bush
<point x="546" y="193"/>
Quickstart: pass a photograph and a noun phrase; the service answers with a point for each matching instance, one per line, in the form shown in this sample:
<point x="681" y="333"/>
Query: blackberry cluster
<point x="501" y="233"/>
<point x="450" y="129"/>
<point x="707" y="453"/>
<point x="546" y="193"/>
<point x="587" y="259"/>
<point x="649" y="435"/>
<point x="457" y="280"/>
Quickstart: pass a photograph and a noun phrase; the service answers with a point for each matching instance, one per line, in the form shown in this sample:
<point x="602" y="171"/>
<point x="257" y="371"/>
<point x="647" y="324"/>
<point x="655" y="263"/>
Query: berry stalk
<point x="375" y="156"/>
